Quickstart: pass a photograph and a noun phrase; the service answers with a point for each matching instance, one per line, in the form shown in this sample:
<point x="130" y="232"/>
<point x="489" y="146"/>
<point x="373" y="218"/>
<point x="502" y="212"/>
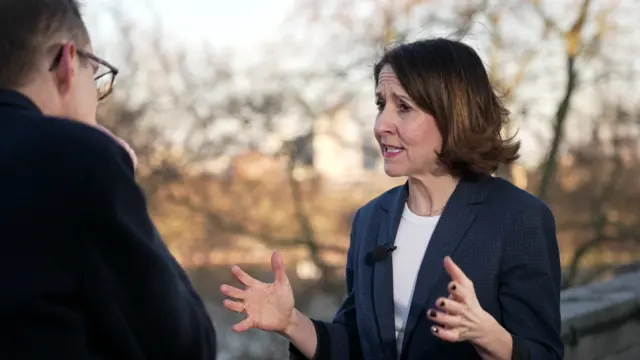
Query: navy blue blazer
<point x="502" y="237"/>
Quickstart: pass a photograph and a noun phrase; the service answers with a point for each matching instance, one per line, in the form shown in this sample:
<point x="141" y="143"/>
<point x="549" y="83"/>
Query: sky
<point x="238" y="23"/>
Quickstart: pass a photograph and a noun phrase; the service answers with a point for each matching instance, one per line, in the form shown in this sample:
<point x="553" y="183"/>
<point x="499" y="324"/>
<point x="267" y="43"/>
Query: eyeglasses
<point x="105" y="73"/>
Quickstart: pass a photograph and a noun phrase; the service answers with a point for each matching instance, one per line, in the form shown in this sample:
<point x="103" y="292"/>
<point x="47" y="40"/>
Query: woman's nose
<point x="384" y="123"/>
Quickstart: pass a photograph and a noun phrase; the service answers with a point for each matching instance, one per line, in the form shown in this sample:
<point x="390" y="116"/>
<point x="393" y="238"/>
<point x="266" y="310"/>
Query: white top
<point x="412" y="239"/>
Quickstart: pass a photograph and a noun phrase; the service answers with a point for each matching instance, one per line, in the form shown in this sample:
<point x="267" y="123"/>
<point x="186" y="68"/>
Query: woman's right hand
<point x="268" y="306"/>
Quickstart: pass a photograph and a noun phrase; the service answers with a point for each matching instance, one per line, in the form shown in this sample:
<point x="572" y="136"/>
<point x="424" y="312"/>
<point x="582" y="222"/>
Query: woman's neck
<point x="429" y="195"/>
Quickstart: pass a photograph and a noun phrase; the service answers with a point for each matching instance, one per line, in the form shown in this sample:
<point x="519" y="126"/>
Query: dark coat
<point x="83" y="272"/>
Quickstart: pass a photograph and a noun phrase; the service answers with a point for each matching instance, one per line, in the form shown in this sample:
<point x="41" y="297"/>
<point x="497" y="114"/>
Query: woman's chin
<point x="394" y="171"/>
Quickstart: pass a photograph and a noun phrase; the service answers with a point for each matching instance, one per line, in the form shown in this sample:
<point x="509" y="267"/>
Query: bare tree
<point x="609" y="164"/>
<point x="577" y="42"/>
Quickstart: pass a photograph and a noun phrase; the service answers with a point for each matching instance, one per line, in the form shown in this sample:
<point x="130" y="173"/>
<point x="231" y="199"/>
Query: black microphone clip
<point x="381" y="252"/>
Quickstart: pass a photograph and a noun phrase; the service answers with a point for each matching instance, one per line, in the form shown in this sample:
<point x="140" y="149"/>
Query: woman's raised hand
<point x="460" y="316"/>
<point x="268" y="306"/>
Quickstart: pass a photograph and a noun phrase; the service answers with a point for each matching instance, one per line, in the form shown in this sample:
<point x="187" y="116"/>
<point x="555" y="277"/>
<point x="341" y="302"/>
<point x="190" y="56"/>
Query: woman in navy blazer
<point x="488" y="284"/>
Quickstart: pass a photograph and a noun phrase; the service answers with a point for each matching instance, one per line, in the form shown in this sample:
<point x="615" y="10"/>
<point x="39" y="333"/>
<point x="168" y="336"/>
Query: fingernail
<point x="434" y="329"/>
<point x="432" y="313"/>
<point x="442" y="303"/>
<point x="453" y="287"/>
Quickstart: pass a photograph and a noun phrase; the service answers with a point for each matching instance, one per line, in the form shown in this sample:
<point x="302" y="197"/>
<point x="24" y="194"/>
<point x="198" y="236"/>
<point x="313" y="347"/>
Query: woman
<point x="474" y="270"/>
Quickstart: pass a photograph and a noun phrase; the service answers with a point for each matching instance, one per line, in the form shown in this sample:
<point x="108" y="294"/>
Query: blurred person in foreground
<point x="455" y="263"/>
<point x="83" y="271"/>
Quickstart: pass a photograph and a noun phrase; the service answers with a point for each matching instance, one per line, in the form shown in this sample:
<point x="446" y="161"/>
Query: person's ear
<point x="66" y="70"/>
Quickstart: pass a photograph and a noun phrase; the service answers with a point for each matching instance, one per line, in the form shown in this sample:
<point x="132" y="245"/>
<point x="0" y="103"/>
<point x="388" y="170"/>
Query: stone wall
<point x="602" y="321"/>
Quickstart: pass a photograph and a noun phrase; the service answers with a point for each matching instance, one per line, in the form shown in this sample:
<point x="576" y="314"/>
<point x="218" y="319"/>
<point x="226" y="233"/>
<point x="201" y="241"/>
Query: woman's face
<point x="408" y="137"/>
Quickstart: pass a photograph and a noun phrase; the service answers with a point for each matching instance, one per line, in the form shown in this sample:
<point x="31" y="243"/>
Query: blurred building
<point x="335" y="148"/>
<point x="338" y="147"/>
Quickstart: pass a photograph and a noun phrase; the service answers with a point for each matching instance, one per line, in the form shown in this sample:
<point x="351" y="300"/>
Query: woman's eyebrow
<point x="403" y="97"/>
<point x="396" y="96"/>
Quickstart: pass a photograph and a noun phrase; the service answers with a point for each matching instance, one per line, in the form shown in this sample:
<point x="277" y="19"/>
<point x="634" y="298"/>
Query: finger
<point x="449" y="297"/>
<point x="450" y="335"/>
<point x="454" y="290"/>
<point x="235" y="306"/>
<point x="232" y="292"/>
<point x="460" y="293"/>
<point x="453" y="296"/>
<point x="277" y="266"/>
<point x="450" y="306"/>
<point x="454" y="271"/>
<point x="243" y="277"/>
<point x="243" y="325"/>
<point x="445" y="310"/>
<point x="444" y="319"/>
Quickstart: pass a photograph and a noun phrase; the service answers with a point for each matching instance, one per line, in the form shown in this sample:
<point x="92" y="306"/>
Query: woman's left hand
<point x="460" y="316"/>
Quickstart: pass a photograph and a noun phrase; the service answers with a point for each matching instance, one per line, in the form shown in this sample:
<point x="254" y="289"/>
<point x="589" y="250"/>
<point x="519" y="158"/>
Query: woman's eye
<point x="403" y="107"/>
<point x="380" y="105"/>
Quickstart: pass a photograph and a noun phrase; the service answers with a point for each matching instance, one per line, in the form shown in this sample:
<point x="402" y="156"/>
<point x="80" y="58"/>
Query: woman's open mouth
<point x="389" y="151"/>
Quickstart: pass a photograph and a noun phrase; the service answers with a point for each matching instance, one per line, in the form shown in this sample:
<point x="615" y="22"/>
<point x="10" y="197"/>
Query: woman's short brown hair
<point x="448" y="80"/>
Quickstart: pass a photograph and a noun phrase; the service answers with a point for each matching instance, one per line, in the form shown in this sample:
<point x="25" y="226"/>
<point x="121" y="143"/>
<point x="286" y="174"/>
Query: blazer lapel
<point x="388" y="218"/>
<point x="451" y="228"/>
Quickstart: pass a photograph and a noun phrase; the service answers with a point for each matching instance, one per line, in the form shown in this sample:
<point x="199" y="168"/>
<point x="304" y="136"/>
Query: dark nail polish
<point x="432" y="313"/>
<point x="453" y="287"/>
<point x="434" y="329"/>
<point x="442" y="303"/>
